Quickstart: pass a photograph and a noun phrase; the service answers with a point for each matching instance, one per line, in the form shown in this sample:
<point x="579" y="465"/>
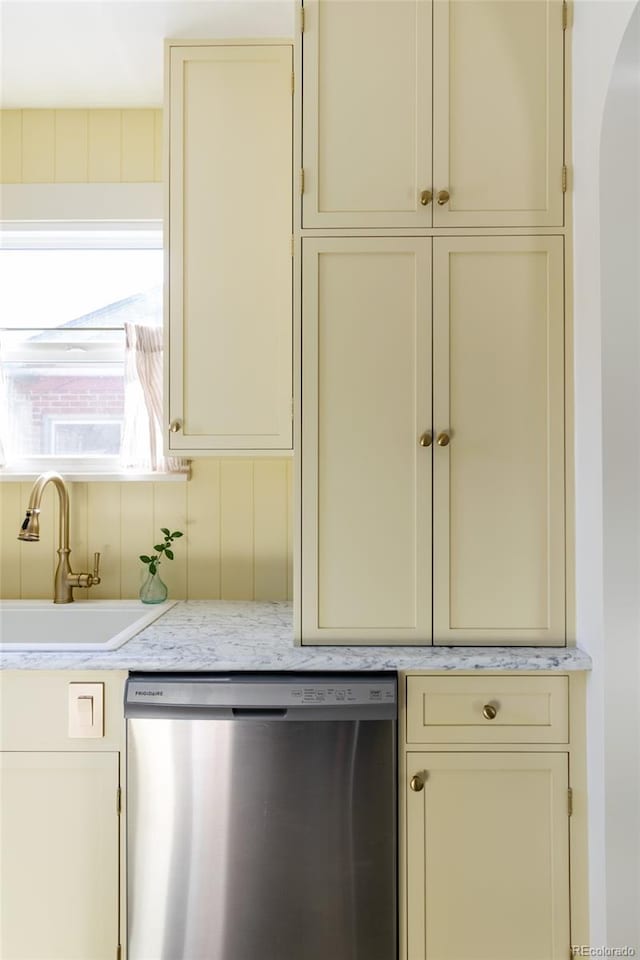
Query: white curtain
<point x="143" y="423"/>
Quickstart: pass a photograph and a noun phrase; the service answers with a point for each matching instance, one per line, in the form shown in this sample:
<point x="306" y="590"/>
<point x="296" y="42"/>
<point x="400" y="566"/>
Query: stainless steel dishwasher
<point x="261" y="817"/>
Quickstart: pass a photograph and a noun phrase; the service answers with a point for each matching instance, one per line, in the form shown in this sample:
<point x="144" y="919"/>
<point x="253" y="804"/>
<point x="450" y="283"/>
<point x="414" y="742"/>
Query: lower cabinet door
<point x="60" y="854"/>
<point x="487" y="856"/>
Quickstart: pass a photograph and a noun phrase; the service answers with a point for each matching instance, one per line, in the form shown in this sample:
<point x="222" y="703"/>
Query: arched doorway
<point x="620" y="299"/>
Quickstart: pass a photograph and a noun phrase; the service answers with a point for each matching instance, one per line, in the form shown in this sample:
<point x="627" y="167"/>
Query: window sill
<point x="6" y="476"/>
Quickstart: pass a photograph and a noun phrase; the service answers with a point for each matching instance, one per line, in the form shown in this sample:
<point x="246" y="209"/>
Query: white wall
<point x="597" y="31"/>
<point x="620" y="279"/>
<point x="109" y="53"/>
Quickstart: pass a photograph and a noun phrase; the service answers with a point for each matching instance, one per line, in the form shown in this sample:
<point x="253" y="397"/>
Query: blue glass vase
<point x="153" y="590"/>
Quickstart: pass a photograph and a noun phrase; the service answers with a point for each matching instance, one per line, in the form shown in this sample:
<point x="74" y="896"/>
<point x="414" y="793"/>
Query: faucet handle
<point x="95" y="576"/>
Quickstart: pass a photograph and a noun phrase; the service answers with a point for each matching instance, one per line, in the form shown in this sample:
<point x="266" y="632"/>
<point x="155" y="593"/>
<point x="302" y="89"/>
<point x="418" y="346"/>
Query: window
<point x="65" y="296"/>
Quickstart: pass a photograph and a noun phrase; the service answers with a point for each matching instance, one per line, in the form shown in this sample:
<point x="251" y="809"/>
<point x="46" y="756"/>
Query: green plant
<point x="161" y="548"/>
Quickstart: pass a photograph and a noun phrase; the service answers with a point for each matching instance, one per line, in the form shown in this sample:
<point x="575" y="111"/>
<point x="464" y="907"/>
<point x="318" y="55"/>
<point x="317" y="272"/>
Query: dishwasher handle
<point x="259" y="713"/>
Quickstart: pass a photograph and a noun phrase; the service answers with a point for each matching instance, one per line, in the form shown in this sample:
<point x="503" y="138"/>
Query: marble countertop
<point x="224" y="635"/>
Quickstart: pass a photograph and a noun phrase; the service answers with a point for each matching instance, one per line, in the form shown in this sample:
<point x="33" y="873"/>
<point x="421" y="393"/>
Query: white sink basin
<point x="82" y="625"/>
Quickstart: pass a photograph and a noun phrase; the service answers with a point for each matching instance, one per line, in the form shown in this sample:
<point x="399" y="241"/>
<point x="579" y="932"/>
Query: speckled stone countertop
<point x="222" y="635"/>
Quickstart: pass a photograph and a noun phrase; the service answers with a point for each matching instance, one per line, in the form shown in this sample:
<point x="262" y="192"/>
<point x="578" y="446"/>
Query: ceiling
<point x="109" y="53"/>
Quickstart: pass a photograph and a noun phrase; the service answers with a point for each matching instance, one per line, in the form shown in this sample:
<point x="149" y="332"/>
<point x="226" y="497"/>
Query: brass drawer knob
<point x="426" y="197"/>
<point x="175" y="426"/>
<point x="426" y="440"/>
<point x="416" y="783"/>
<point x="443" y="197"/>
<point x="443" y="439"/>
<point x="489" y="712"/>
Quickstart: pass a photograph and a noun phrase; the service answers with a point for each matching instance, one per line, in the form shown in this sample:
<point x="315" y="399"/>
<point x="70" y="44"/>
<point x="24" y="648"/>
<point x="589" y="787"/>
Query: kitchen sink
<point x="83" y="625"/>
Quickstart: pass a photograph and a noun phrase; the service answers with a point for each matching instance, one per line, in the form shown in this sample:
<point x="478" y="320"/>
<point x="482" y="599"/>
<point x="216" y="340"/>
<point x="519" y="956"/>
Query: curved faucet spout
<point x="65" y="580"/>
<point x="30" y="529"/>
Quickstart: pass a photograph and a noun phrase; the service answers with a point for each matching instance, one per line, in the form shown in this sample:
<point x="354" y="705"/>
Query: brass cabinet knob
<point x="489" y="711"/>
<point x="175" y="426"/>
<point x="443" y="439"/>
<point x="443" y="197"/>
<point x="416" y="783"/>
<point x="426" y="440"/>
<point x="426" y="197"/>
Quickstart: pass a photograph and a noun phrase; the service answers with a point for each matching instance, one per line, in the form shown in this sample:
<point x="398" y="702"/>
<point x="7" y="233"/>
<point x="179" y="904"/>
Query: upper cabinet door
<point x="498" y="113"/>
<point x="498" y="334"/>
<point x="229" y="235"/>
<point x="367" y="113"/>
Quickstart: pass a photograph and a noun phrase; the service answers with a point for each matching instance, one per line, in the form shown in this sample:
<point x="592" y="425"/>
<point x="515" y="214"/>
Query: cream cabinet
<point x="492" y="847"/>
<point x="59" y="818"/>
<point x="59" y="855"/>
<point x="499" y="493"/>
<point x="228" y="118"/>
<point x="366" y="113"/>
<point x="366" y="487"/>
<point x="444" y="114"/>
<point x="488" y="856"/>
<point x="455" y="459"/>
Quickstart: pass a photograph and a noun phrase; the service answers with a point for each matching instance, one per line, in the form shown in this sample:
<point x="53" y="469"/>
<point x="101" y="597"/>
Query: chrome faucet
<point x="65" y="580"/>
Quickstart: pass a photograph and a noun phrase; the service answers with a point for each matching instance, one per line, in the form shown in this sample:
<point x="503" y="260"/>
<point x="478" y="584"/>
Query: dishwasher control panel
<point x="213" y="690"/>
<point x="342" y="693"/>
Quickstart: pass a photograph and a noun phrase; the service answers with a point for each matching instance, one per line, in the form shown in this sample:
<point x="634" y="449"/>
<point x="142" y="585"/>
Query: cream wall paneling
<point x="498" y="113"/>
<point x="498" y="484"/>
<point x="229" y="316"/>
<point x="236" y="516"/>
<point x="80" y="146"/>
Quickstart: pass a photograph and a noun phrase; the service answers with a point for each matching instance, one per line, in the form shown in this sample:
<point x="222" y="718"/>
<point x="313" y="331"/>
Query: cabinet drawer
<point x="487" y="709"/>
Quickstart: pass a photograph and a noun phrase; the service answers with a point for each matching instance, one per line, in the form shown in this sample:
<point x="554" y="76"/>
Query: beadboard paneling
<point x="104" y="533"/>
<point x="235" y="515"/>
<point x="38" y="146"/>
<point x="104" y="146"/>
<point x="170" y="510"/>
<point x="80" y="146"/>
<point x="237" y="529"/>
<point x="36" y="566"/>
<point x="12" y="509"/>
<point x="270" y="512"/>
<point x="290" y="528"/>
<point x="204" y="561"/>
<point x="138" y="146"/>
<point x="10" y="146"/>
<point x="136" y="526"/>
<point x="71" y="146"/>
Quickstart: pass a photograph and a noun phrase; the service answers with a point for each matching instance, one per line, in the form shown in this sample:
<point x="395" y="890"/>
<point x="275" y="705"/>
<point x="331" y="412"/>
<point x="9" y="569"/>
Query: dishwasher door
<point x="262" y="817"/>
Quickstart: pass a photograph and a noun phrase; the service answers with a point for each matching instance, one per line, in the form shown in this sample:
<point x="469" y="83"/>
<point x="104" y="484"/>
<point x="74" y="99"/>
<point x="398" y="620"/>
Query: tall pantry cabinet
<point x="431" y="225"/>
